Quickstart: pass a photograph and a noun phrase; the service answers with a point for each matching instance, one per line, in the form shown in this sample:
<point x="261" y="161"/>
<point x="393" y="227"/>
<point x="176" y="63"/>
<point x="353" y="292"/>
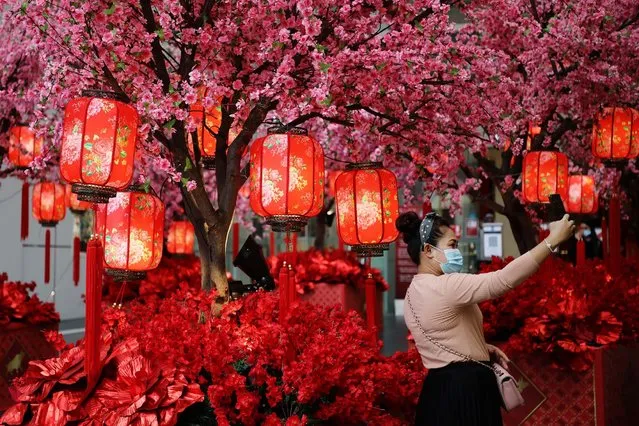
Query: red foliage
<point x="326" y="266"/>
<point x="566" y="311"/>
<point x="17" y="305"/>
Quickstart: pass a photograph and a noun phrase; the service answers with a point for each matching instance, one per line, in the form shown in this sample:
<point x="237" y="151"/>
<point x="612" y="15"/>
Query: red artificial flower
<point x="18" y="305"/>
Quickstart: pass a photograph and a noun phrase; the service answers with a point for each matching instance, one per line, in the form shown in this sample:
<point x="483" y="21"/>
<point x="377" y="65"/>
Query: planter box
<point x="605" y="395"/>
<point x="19" y="344"/>
<point x="347" y="297"/>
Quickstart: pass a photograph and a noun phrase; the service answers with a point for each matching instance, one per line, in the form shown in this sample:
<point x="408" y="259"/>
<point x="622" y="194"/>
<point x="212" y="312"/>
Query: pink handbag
<point x="510" y="396"/>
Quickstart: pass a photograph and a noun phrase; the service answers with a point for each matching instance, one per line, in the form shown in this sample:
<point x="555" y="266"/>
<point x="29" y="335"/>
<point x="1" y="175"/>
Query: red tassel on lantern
<point x="76" y="260"/>
<point x="614" y="231"/>
<point x="291" y="285"/>
<point x="94" y="269"/>
<point x="581" y="253"/>
<point x="283" y="292"/>
<point x="604" y="238"/>
<point x="371" y="303"/>
<point x="24" y="222"/>
<point x="47" y="256"/>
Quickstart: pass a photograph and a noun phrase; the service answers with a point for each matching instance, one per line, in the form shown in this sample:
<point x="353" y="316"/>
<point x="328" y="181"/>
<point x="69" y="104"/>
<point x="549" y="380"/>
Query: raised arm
<point x="465" y="289"/>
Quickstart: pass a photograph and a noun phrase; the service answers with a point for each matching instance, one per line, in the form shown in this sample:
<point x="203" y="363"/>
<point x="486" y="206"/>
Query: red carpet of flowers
<point x="566" y="311"/>
<point x="17" y="305"/>
<point x="332" y="266"/>
<point x="250" y="370"/>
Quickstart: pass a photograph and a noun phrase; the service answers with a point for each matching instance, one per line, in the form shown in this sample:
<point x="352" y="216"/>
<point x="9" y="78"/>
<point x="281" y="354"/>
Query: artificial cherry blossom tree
<point x="559" y="62"/>
<point x="371" y="78"/>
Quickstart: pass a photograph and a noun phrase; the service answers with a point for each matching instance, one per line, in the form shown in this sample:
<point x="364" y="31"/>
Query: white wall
<point x="27" y="263"/>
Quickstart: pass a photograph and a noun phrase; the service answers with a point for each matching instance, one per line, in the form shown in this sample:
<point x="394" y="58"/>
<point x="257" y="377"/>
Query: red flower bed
<point x="17" y="305"/>
<point x="566" y="311"/>
<point x="319" y="366"/>
<point x="333" y="266"/>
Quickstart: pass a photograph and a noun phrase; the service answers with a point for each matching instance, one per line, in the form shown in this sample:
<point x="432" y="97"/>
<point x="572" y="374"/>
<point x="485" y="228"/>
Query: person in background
<point x="441" y="303"/>
<point x="593" y="245"/>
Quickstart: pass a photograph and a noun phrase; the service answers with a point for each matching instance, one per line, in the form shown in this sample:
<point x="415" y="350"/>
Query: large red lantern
<point x="544" y="173"/>
<point x="24" y="146"/>
<point x="287" y="178"/>
<point x="367" y="206"/>
<point x="615" y="134"/>
<point x="582" y="195"/>
<point x="76" y="206"/>
<point x="131" y="226"/>
<point x="181" y="237"/>
<point x="98" y="145"/>
<point x="48" y="206"/>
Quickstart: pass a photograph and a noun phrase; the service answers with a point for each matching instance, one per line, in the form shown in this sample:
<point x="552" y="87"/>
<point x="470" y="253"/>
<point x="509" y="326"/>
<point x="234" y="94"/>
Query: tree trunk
<point x="521" y="225"/>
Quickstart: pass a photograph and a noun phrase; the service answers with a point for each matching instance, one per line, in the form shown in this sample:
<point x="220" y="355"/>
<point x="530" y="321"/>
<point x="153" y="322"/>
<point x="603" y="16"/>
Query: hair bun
<point x="408" y="224"/>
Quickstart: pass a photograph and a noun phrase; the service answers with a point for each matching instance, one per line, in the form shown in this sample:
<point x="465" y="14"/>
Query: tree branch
<point x="156" y="47"/>
<point x="304" y="118"/>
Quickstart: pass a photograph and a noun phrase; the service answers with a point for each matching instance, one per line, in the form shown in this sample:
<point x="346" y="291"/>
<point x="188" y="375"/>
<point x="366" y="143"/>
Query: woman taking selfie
<point x="441" y="313"/>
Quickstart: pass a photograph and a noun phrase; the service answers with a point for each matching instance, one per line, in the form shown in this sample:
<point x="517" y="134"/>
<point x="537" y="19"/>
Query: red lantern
<point x="615" y="135"/>
<point x="131" y="226"/>
<point x="208" y="123"/>
<point x="545" y="173"/>
<point x="98" y="145"/>
<point x="181" y="237"/>
<point x="582" y="196"/>
<point x="287" y="179"/>
<point x="76" y="206"/>
<point x="533" y="130"/>
<point x="24" y="146"/>
<point x="48" y="203"/>
<point x="367" y="206"/>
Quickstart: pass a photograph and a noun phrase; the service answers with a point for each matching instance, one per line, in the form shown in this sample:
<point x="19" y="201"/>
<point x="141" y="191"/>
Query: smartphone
<point x="556" y="211"/>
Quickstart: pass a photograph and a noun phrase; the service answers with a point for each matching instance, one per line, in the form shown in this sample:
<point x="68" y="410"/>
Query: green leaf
<point x="160" y="34"/>
<point x="111" y="10"/>
<point x="146" y="186"/>
<point x="66" y="39"/>
<point x="23" y="8"/>
<point x="454" y="71"/>
<point x="320" y="48"/>
<point x="171" y="89"/>
<point x="184" y="181"/>
<point x="188" y="166"/>
<point x="324" y="67"/>
<point x="120" y="66"/>
<point x="419" y="26"/>
<point x="327" y="101"/>
<point x="169" y="125"/>
<point x="381" y="66"/>
<point x="277" y="45"/>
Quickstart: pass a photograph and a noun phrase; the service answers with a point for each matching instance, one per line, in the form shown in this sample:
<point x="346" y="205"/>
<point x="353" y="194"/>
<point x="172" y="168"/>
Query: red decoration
<point x="331" y="178"/>
<point x="581" y="252"/>
<point x="292" y="285"/>
<point x="283" y="285"/>
<point x="615" y="135"/>
<point x="24" y="217"/>
<point x="95" y="254"/>
<point x="582" y="196"/>
<point x="131" y="226"/>
<point x="287" y="179"/>
<point x="533" y="130"/>
<point x="545" y="173"/>
<point x="371" y="307"/>
<point x="367" y="207"/>
<point x="614" y="234"/>
<point x="48" y="203"/>
<point x="208" y="123"/>
<point x="76" y="206"/>
<point x="98" y="145"/>
<point x="24" y="146"/>
<point x="76" y="261"/>
<point x="181" y="237"/>
<point x="47" y="256"/>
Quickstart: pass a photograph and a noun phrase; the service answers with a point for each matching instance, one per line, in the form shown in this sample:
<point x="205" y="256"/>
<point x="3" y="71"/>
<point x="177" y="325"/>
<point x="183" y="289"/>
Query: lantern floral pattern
<point x="98" y="143"/>
<point x="24" y="146"/>
<point x="545" y="173"/>
<point x="131" y="226"/>
<point x="287" y="179"/>
<point x="48" y="203"/>
<point x="72" y="202"/>
<point x="367" y="206"/>
<point x="615" y="135"/>
<point x="181" y="237"/>
<point x="582" y="195"/>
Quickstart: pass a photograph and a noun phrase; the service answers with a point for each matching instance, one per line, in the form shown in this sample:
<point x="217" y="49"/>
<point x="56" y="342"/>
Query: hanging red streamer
<point x="581" y="253"/>
<point x="47" y="256"/>
<point x="24" y="218"/>
<point x="283" y="281"/>
<point x="76" y="260"/>
<point x="291" y="285"/>
<point x="614" y="231"/>
<point x="371" y="307"/>
<point x="94" y="269"/>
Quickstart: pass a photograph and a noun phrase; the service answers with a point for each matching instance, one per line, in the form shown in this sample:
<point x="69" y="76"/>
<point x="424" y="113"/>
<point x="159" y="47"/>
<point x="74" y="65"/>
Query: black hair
<point x="408" y="224"/>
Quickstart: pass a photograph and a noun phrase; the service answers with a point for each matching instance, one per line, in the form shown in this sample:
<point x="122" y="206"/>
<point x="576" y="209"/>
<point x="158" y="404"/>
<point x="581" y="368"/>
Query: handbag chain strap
<point x="444" y="347"/>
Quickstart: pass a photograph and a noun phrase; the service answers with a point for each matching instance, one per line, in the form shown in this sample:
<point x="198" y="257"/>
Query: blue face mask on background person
<point x="454" y="261"/>
<point x="587" y="233"/>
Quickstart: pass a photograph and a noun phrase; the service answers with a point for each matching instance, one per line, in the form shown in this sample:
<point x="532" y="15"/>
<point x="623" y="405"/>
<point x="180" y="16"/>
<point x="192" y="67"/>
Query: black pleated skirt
<point x="460" y="394"/>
